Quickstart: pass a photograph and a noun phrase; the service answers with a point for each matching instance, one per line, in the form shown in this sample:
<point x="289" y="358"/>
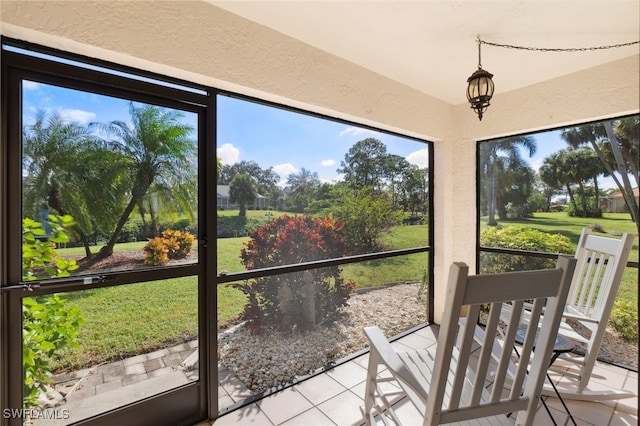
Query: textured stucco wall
<point x="199" y="42"/>
<point x="606" y="91"/>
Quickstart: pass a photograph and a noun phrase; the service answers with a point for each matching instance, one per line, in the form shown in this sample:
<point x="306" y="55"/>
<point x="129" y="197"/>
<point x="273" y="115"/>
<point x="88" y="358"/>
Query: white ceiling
<point x="430" y="45"/>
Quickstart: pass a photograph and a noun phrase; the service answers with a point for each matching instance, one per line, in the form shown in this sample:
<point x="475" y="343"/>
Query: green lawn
<point x="79" y="251"/>
<point x="228" y="250"/>
<point x="130" y="319"/>
<point x="166" y="311"/>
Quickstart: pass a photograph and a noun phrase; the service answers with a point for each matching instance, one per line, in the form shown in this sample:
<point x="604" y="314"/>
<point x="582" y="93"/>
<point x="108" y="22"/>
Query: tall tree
<point x="242" y="190"/>
<point x="266" y="180"/>
<point x="616" y="144"/>
<point x="53" y="151"/>
<point x="155" y="148"/>
<point x="495" y="158"/>
<point x="584" y="166"/>
<point x="169" y="201"/>
<point x="302" y="186"/>
<point x="219" y="167"/>
<point x="365" y="164"/>
<point x="396" y="170"/>
<point x="556" y="172"/>
<point x="413" y="189"/>
<point x="516" y="184"/>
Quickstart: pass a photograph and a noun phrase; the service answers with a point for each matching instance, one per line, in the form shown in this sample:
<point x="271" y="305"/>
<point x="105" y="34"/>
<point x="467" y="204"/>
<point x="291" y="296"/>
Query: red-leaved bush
<point x="296" y="300"/>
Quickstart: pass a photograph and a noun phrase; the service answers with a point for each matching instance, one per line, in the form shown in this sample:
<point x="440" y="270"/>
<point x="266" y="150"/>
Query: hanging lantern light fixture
<point x="480" y="89"/>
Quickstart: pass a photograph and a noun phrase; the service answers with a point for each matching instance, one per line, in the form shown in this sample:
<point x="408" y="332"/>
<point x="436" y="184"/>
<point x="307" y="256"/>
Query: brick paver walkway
<point x="115" y="375"/>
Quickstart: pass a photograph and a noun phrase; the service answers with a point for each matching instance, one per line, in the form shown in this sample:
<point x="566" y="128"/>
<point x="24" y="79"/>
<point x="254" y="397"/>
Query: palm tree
<point x="219" y="167"/>
<point x="175" y="199"/>
<point x="556" y="172"/>
<point x="155" y="149"/>
<point x="617" y="146"/>
<point x="628" y="135"/>
<point x="495" y="158"/>
<point x="242" y="190"/>
<point x="52" y="152"/>
<point x="301" y="187"/>
<point x="584" y="165"/>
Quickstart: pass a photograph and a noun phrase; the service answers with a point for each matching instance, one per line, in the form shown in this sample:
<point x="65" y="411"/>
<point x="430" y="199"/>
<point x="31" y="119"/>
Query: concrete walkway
<point x="107" y="386"/>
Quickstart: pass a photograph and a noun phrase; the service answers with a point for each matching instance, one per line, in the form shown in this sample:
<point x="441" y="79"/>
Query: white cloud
<point x="356" y="131"/>
<point x="420" y="158"/>
<point x="29" y="85"/>
<point x="228" y="154"/>
<point x="77" y="116"/>
<point x="284" y="170"/>
<point x="327" y="163"/>
<point x="536" y="164"/>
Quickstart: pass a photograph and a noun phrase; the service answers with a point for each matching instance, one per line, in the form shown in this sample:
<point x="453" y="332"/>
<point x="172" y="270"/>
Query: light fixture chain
<point x="550" y="49"/>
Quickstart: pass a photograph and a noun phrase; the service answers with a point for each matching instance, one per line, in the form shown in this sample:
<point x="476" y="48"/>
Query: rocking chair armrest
<point x="390" y="358"/>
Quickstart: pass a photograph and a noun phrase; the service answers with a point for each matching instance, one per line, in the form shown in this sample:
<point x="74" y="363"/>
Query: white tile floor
<point x="335" y="397"/>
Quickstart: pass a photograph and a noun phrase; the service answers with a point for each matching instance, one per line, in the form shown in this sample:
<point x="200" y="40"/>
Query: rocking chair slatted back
<point x="601" y="262"/>
<point x="448" y="383"/>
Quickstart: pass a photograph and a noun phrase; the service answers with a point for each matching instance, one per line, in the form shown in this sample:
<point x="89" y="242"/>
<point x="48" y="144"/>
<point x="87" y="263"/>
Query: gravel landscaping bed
<point x="273" y="358"/>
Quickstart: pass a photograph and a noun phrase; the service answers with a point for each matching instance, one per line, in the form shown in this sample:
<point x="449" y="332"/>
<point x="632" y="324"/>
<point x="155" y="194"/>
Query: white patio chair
<point x="444" y="382"/>
<point x="601" y="263"/>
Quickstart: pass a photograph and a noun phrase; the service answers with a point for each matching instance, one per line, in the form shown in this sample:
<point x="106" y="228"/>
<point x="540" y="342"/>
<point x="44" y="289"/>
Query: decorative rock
<point x="49" y="398"/>
<point x="190" y="362"/>
<point x="274" y="358"/>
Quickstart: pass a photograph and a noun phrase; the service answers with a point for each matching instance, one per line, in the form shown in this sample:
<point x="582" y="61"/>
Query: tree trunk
<point x="597" y="202"/>
<point x="85" y="241"/>
<point x="142" y="211"/>
<point x="583" y="200"/>
<point x="284" y="303"/>
<point x="107" y="250"/>
<point x="154" y="221"/>
<point x="492" y="198"/>
<point x="55" y="201"/>
<point x="309" y="300"/>
<point x="625" y="189"/>
<point x="571" y="198"/>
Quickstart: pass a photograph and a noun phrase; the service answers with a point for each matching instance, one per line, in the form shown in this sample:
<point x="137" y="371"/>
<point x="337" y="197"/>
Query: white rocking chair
<point x="444" y="383"/>
<point x="601" y="263"/>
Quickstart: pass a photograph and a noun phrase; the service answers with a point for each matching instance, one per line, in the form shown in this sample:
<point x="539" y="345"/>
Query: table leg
<point x="555" y="389"/>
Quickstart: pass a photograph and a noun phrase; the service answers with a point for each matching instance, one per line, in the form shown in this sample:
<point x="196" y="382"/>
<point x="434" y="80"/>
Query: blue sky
<point x="288" y="141"/>
<point x="550" y="142"/>
<point x="272" y="137"/>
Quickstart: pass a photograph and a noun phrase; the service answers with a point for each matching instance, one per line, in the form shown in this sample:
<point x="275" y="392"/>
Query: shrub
<point x="520" y="238"/>
<point x="48" y="323"/>
<point x="235" y="226"/>
<point x="295" y="300"/>
<point x="624" y="319"/>
<point x="156" y="252"/>
<point x="130" y="231"/>
<point x="184" y="225"/>
<point x="179" y="243"/>
<point x="574" y="211"/>
<point x="172" y="245"/>
<point x="367" y="215"/>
